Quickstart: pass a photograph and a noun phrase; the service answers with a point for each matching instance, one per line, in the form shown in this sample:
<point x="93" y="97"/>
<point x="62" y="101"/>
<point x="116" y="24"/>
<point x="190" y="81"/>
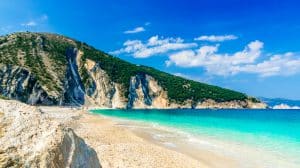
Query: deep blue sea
<point x="276" y="131"/>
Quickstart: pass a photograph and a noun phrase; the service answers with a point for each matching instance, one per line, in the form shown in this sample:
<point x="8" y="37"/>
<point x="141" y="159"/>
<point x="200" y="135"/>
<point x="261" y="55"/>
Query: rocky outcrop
<point x="144" y="92"/>
<point x="18" y="83"/>
<point x="32" y="138"/>
<point x="103" y="92"/>
<point x="73" y="88"/>
<point x="70" y="151"/>
<point x="230" y="104"/>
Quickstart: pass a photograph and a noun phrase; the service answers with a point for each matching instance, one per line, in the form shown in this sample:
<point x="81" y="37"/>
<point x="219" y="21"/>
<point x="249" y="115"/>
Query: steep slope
<point x="41" y="68"/>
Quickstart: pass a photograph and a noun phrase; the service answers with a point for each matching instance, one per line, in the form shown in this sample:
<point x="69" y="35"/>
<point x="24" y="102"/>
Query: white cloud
<point x="245" y="61"/>
<point x="35" y="22"/>
<point x="249" y="60"/>
<point x="281" y="64"/>
<point x="29" y="24"/>
<point x="135" y="30"/>
<point x="153" y="46"/>
<point x="214" y="38"/>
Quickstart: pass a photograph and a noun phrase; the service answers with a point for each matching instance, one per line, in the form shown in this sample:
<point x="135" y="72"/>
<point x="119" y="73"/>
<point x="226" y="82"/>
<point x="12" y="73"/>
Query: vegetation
<point x="42" y="56"/>
<point x="3" y="97"/>
<point x="38" y="48"/>
<point x="179" y="89"/>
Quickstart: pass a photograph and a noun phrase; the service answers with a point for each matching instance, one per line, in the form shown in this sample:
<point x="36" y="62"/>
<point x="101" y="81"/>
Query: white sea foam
<point x="169" y="144"/>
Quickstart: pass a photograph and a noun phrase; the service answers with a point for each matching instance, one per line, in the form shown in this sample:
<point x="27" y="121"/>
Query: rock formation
<point x="31" y="138"/>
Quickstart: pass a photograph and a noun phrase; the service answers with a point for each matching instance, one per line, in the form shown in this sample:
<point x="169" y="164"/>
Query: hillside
<point x="42" y="68"/>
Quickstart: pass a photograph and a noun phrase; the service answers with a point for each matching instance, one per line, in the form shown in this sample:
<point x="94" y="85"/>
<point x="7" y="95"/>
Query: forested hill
<point x="47" y="62"/>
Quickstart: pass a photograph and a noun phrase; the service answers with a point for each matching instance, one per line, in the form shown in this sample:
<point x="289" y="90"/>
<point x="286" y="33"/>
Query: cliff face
<point x="73" y="87"/>
<point x="102" y="91"/>
<point x="18" y="83"/>
<point x="54" y="70"/>
<point x="144" y="92"/>
<point x="31" y="138"/>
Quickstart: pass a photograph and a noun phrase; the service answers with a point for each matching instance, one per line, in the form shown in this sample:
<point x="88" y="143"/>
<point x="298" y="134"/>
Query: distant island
<point x="280" y="103"/>
<point x="50" y="69"/>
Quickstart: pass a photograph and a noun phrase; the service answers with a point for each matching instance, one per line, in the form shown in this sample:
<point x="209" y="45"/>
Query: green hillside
<point x="30" y="50"/>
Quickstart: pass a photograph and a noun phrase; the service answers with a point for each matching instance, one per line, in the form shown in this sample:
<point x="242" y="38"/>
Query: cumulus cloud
<point x="245" y="61"/>
<point x="135" y="30"/>
<point x="153" y="46"/>
<point x="280" y="64"/>
<point x="251" y="59"/>
<point x="214" y="38"/>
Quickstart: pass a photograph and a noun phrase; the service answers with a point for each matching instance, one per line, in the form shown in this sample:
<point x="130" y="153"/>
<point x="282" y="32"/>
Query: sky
<point x="252" y="46"/>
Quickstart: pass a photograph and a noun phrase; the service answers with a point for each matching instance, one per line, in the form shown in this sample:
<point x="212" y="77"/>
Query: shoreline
<point x="176" y="144"/>
<point x="212" y="152"/>
<point x="119" y="147"/>
<point x="119" y="142"/>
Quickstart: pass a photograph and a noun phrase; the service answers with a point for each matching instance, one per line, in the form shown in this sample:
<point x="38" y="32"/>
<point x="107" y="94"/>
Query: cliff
<point x="30" y="138"/>
<point x="48" y="69"/>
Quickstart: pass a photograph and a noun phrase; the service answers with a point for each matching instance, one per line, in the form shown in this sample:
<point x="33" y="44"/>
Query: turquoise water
<point x="276" y="131"/>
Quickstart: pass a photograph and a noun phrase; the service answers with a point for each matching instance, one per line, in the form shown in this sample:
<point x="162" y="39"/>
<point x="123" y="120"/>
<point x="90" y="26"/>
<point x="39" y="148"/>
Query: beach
<point x="117" y="146"/>
<point x="223" y="138"/>
<point x="117" y="141"/>
<point x="127" y="143"/>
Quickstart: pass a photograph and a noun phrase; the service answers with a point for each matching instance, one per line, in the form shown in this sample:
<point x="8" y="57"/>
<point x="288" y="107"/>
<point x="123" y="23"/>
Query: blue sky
<point x="250" y="46"/>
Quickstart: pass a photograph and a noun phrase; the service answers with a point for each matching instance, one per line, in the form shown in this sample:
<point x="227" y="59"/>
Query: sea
<point x="254" y="138"/>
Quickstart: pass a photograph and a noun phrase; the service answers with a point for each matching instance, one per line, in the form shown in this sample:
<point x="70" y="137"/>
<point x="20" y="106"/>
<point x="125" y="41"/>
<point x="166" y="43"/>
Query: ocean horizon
<point x="263" y="137"/>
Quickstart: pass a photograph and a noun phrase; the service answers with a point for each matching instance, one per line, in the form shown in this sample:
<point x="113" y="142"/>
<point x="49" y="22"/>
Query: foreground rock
<point x="32" y="138"/>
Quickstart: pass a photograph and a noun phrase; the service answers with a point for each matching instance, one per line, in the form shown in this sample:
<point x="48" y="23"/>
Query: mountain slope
<point x="41" y="68"/>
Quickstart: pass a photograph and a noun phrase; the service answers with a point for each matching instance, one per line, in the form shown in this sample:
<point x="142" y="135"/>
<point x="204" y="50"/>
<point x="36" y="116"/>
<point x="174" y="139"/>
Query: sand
<point x="119" y="146"/>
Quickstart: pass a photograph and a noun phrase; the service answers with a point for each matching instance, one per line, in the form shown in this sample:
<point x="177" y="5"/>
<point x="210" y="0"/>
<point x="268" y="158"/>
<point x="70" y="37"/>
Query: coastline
<point x="210" y="151"/>
<point x="117" y="146"/>
<point x="128" y="143"/>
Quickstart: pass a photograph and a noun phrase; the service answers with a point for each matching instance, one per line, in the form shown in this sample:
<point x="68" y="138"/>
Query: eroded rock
<point x="30" y="138"/>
